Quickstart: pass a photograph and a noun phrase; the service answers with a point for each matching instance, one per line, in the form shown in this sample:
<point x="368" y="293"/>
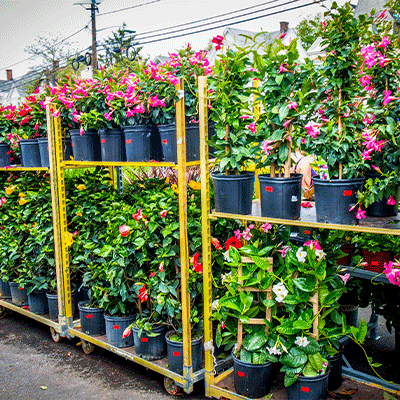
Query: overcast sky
<point x="22" y="21"/>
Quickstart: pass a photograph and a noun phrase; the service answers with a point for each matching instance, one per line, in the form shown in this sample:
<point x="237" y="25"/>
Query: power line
<point x="128" y="8"/>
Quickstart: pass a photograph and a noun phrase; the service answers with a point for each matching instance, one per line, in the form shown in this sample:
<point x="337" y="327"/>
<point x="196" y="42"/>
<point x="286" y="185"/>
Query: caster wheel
<point x="171" y="387"/>
<point x="55" y="335"/>
<point x="3" y="312"/>
<point x="87" y="347"/>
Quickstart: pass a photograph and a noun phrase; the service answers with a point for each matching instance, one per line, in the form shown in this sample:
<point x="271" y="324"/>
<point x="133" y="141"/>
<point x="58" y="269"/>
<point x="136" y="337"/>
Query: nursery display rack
<point x="220" y="385"/>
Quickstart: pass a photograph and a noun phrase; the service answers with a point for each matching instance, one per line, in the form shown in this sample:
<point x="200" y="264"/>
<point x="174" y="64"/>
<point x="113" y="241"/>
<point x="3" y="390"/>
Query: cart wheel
<point x="3" y="312"/>
<point x="55" y="335"/>
<point x="87" y="347"/>
<point x="171" y="387"/>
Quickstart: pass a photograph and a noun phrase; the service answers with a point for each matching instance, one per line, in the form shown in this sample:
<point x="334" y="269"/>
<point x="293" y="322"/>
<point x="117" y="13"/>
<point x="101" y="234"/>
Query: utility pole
<point x="93" y="10"/>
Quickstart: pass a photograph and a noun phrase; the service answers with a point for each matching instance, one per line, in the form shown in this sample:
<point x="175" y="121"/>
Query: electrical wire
<point x="128" y="8"/>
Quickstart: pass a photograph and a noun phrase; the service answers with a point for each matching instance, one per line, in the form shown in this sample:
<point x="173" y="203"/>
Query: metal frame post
<point x="184" y="247"/>
<point x="58" y="198"/>
<point x="206" y="235"/>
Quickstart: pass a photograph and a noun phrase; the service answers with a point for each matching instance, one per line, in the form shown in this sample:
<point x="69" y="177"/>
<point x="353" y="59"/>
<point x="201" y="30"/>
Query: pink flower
<point x="365" y="80"/>
<point x="282" y="68"/>
<point x="127" y="332"/>
<point x="313" y="129"/>
<point x="266" y="227"/>
<point x="286" y="123"/>
<point x="292" y="105"/>
<point x="391" y="201"/>
<point x="3" y="200"/>
<point x="138" y="215"/>
<point x="152" y="274"/>
<point x="266" y="147"/>
<point x="313" y="244"/>
<point x="143" y="295"/>
<point x="344" y="278"/>
<point x="384" y="43"/>
<point x="387" y="97"/>
<point x="306" y="204"/>
<point x="124" y="230"/>
<point x="252" y="127"/>
<point x="161" y="267"/>
<point x="392" y="274"/>
<point x="216" y="243"/>
<point x="360" y="213"/>
<point x="237" y="234"/>
<point x="284" y="251"/>
<point x="246" y="235"/>
<point x="244" y="117"/>
<point x="222" y="325"/>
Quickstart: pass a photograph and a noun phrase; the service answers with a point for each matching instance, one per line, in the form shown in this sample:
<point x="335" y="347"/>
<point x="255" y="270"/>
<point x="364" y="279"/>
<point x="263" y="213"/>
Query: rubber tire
<point x="171" y="387"/>
<point x="55" y="335"/>
<point x="87" y="347"/>
<point x="3" y="312"/>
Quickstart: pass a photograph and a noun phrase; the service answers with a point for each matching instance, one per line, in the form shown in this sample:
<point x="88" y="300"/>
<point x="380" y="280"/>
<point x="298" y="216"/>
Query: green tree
<point x="306" y="30"/>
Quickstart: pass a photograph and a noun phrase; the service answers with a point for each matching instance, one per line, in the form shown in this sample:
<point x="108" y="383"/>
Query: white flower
<point x="301" y="341"/>
<point x="226" y="277"/>
<point x="280" y="297"/>
<point x="280" y="291"/>
<point x="215" y="305"/>
<point x="301" y="255"/>
<point x="226" y="256"/>
<point x="274" y="350"/>
<point x="320" y="254"/>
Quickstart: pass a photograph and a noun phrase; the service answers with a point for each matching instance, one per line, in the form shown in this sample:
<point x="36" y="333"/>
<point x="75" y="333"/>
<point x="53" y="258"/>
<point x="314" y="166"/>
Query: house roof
<point x="234" y="36"/>
<point x="366" y="6"/>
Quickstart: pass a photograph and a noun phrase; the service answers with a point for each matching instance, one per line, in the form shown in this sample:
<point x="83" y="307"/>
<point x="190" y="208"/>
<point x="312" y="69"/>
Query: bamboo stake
<point x="273" y="170"/>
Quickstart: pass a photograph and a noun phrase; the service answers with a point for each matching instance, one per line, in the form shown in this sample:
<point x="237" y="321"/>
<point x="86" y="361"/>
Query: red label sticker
<point x="269" y="189"/>
<point x="374" y="263"/>
<point x="145" y="339"/>
<point x="176" y="354"/>
<point x="165" y="141"/>
<point x="347" y="193"/>
<point x="305" y="389"/>
<point x="47" y="147"/>
<point x="116" y="326"/>
<point x="241" y="374"/>
<point x="89" y="316"/>
<point x="128" y="141"/>
<point x="103" y="140"/>
<point x="21" y="288"/>
<point x="307" y="232"/>
<point x="72" y="144"/>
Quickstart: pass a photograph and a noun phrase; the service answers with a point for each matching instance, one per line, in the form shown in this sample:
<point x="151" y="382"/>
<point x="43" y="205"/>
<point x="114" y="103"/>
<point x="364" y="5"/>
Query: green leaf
<point x="309" y="370"/>
<point x="316" y="361"/>
<point x="290" y="379"/>
<point x="255" y="341"/>
<point x="294" y="358"/>
<point x="306" y="284"/>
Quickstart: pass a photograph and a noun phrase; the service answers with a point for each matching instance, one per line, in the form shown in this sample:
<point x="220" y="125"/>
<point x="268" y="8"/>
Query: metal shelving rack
<point x="216" y="383"/>
<point x="66" y="326"/>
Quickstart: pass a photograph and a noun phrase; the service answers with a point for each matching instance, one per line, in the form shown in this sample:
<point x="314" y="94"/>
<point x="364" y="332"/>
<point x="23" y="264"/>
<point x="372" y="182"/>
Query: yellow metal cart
<point x="220" y="385"/>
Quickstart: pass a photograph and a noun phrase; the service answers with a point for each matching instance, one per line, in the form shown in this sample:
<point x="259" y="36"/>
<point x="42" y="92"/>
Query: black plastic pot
<point x="252" y="380"/>
<point x="350" y="311"/>
<point x="5" y="292"/>
<point x="334" y="199"/>
<point x="156" y="152"/>
<point x="44" y="150"/>
<point x="175" y="354"/>
<point x="335" y="371"/>
<point x="5" y="155"/>
<point x="169" y="145"/>
<point x="280" y="197"/>
<point x="112" y="144"/>
<point x="37" y="301"/>
<point x="150" y="347"/>
<point x="137" y="142"/>
<point x="52" y="301"/>
<point x="85" y="146"/>
<point x="380" y="208"/>
<point x="92" y="319"/>
<point x="30" y="155"/>
<point x="115" y="327"/>
<point x="19" y="295"/>
<point x="376" y="260"/>
<point x="233" y="193"/>
<point x="309" y="388"/>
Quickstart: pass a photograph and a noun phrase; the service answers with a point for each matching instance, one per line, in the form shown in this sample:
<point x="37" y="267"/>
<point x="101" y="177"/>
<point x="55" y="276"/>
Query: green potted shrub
<point x="284" y="87"/>
<point x="8" y="140"/>
<point x="235" y="139"/>
<point x="334" y="122"/>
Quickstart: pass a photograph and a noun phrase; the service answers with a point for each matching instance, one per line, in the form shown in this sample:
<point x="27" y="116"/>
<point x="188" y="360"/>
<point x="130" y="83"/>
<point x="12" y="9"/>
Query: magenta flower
<point x="282" y="68"/>
<point x="124" y="230"/>
<point x="365" y="80"/>
<point x="292" y="105"/>
<point x="286" y="123"/>
<point x="237" y="234"/>
<point x="218" y="41"/>
<point x="306" y="204"/>
<point x="252" y="127"/>
<point x="266" y="147"/>
<point x="391" y="201"/>
<point x="387" y="97"/>
<point x="384" y="43"/>
<point x="360" y="213"/>
<point x="392" y="274"/>
<point x="313" y="129"/>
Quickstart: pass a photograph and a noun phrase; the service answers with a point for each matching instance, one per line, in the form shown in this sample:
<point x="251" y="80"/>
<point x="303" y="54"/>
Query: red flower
<point x="233" y="241"/>
<point x="152" y="273"/>
<point x="197" y="267"/>
<point x="218" y="40"/>
<point x="163" y="213"/>
<point x="216" y="243"/>
<point x="143" y="295"/>
<point x="124" y="230"/>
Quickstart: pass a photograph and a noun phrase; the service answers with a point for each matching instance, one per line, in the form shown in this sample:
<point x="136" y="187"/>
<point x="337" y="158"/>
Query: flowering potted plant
<point x="283" y="92"/>
<point x="380" y="80"/>
<point x="334" y="122"/>
<point x="235" y="137"/>
<point x="8" y="142"/>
